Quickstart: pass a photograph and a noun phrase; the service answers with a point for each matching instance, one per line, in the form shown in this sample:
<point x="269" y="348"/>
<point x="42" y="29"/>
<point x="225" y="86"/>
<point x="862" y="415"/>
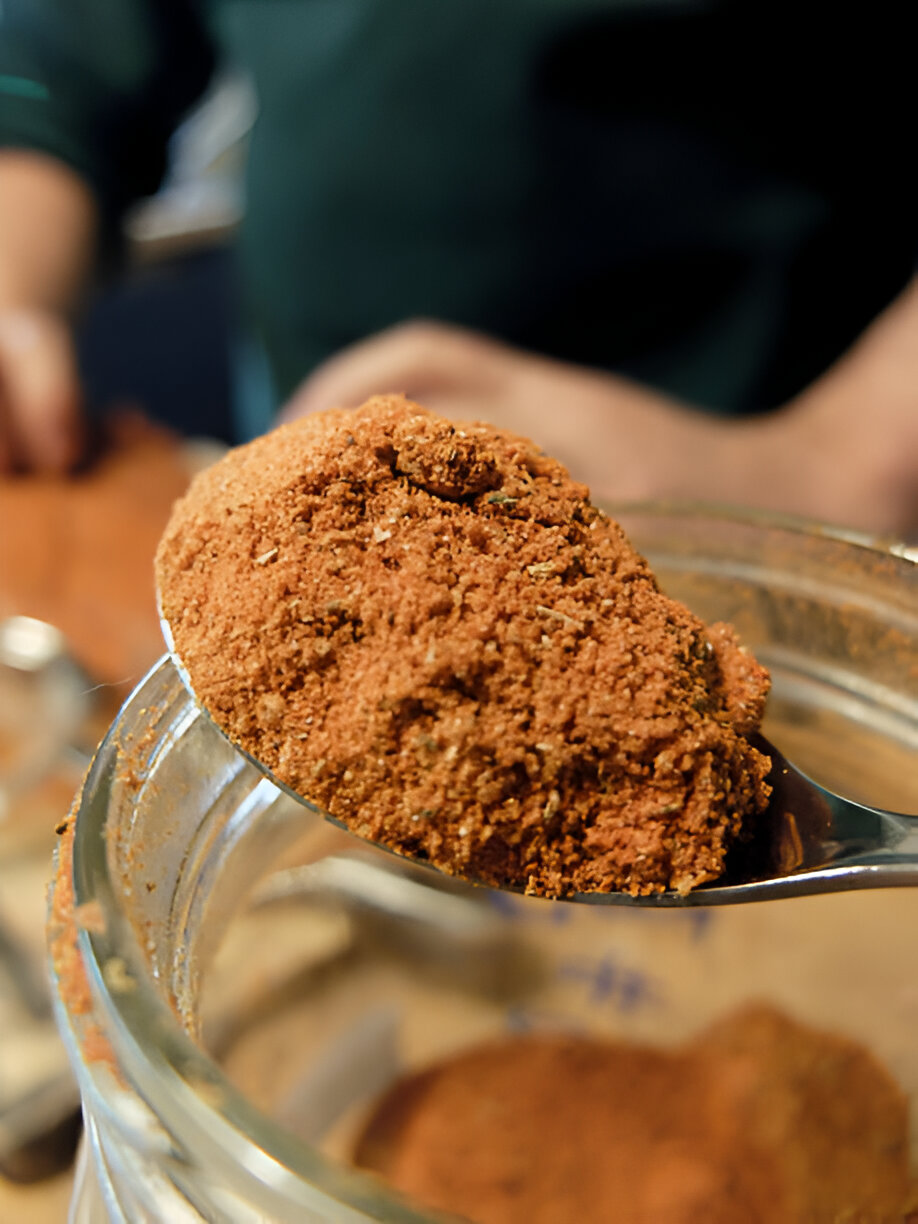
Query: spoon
<point x="809" y="840"/>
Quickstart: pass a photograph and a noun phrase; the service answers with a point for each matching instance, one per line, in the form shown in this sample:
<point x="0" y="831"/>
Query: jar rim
<point x="185" y="1089"/>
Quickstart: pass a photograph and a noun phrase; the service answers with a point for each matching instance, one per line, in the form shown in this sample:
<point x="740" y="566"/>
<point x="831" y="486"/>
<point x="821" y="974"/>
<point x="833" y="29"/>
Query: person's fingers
<point x="41" y="423"/>
<point x="425" y="361"/>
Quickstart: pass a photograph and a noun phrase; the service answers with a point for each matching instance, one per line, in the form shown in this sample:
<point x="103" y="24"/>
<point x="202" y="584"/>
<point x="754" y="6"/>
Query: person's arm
<point x="48" y="234"/>
<point x="845" y="451"/>
<point x="89" y="95"/>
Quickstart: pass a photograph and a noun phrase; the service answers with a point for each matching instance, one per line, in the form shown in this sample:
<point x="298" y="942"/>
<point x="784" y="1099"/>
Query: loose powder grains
<point x="427" y="630"/>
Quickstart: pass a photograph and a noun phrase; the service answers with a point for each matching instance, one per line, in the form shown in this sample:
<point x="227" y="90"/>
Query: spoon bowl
<point x="833" y="617"/>
<point x="809" y="839"/>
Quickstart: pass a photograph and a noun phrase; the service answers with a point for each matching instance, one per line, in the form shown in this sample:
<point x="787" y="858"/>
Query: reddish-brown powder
<point x="761" y="1120"/>
<point x="75" y="550"/>
<point x="64" y="923"/>
<point x="429" y="631"/>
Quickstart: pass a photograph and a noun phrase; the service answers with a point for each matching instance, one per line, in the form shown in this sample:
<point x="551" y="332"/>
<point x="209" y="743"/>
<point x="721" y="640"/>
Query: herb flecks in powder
<point x="442" y="642"/>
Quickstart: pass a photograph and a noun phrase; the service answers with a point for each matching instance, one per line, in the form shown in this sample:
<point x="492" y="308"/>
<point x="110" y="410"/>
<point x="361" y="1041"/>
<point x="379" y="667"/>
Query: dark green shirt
<point x="714" y="199"/>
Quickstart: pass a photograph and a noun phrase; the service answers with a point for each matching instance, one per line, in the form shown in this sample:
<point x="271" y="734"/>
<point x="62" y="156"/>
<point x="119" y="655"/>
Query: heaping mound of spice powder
<point x="428" y="630"/>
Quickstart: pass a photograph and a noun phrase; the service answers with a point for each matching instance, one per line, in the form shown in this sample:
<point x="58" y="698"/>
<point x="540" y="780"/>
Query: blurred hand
<point x="845" y="451"/>
<point x="447" y="369"/>
<point x="625" y="441"/>
<point x="41" y="424"/>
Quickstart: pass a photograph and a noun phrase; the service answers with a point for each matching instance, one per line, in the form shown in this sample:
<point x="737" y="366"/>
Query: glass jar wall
<point x="249" y="979"/>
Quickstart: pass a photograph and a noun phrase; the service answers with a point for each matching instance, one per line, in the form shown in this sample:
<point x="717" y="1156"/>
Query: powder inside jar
<point x="760" y="1118"/>
<point x="429" y="631"/>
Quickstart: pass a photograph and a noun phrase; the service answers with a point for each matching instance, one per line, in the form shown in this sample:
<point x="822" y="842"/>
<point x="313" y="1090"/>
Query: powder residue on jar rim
<point x="65" y="921"/>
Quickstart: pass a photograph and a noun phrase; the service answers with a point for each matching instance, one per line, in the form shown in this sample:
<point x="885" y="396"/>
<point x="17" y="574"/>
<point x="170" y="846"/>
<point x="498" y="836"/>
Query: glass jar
<point x="249" y="978"/>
